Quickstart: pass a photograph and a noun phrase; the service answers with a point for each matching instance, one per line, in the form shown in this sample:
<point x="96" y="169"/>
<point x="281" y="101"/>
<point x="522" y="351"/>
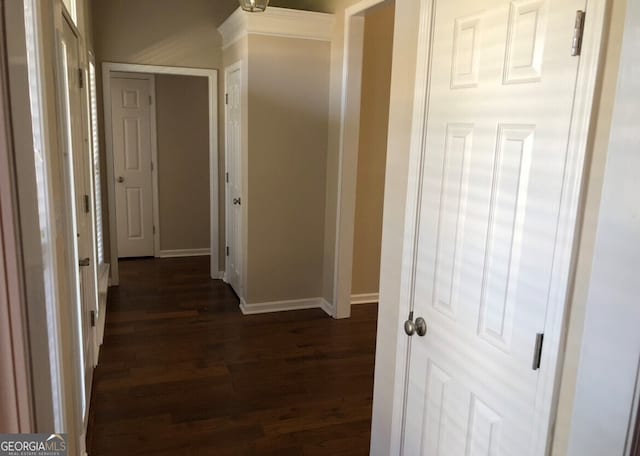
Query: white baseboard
<point x="365" y="298"/>
<point x="103" y="278"/>
<point x="183" y="253"/>
<point x="327" y="307"/>
<point x="218" y="275"/>
<point x="282" y="306"/>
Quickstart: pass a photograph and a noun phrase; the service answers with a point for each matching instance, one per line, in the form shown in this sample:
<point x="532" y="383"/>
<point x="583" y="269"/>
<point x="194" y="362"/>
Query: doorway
<point x="363" y="143"/>
<point x="121" y="200"/>
<point x="372" y="152"/>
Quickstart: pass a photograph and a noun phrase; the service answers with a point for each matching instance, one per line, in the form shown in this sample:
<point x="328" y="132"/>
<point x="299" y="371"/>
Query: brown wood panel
<point x="183" y="372"/>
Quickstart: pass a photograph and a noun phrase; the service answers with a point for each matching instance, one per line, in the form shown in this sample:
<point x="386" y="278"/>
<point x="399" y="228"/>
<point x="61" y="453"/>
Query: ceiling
<point x="224" y="8"/>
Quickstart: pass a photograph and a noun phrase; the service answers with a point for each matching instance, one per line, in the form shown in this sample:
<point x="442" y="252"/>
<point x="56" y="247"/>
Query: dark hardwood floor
<point x="183" y="372"/>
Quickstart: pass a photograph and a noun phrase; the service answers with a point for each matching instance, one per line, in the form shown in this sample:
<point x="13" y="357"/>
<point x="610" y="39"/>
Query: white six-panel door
<point x="78" y="187"/>
<point x="233" y="132"/>
<point x="131" y="130"/>
<point x="502" y="81"/>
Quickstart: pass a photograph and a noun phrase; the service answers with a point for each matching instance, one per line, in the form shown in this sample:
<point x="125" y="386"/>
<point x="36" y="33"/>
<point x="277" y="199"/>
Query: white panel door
<point x="131" y="130"/>
<point x="78" y="187"/>
<point x="500" y="102"/>
<point x="233" y="134"/>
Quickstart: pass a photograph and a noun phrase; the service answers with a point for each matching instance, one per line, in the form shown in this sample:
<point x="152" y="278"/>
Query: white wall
<point x="610" y="353"/>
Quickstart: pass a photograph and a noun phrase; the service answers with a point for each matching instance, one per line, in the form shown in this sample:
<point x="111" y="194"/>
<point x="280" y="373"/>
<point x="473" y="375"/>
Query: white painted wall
<point x="610" y="351"/>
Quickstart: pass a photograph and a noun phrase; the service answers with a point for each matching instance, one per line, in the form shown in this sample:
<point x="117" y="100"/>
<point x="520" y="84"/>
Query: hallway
<point x="183" y="372"/>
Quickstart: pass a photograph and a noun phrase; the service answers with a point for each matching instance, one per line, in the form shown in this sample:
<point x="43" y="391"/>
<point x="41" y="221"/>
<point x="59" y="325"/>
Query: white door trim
<point x="348" y="154"/>
<point x="564" y="257"/>
<point x="212" y="77"/>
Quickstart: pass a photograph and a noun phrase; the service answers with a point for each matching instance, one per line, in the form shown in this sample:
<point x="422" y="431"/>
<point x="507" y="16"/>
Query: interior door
<point x="233" y="134"/>
<point x="78" y="183"/>
<point x="502" y="81"/>
<point x="131" y="130"/>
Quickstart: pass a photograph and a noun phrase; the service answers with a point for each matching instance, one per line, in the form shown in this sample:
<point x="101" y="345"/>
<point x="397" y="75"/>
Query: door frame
<point x="239" y="65"/>
<point x="353" y="49"/>
<point x="74" y="381"/>
<point x="82" y="390"/>
<point x="153" y="126"/>
<point x="564" y="257"/>
<point x="212" y="78"/>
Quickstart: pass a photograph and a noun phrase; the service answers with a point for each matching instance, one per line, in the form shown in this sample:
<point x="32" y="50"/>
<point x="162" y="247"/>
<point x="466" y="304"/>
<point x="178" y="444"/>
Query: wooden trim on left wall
<point x="16" y="411"/>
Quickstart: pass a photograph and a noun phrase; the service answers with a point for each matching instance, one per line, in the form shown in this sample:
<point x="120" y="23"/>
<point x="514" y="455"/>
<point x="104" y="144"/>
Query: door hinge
<point x="226" y="176"/>
<point x="81" y="78"/>
<point x="227" y="250"/>
<point x="151" y="166"/>
<point x="154" y="229"/>
<point x="537" y="351"/>
<point x="150" y="100"/>
<point x="578" y="31"/>
<point x="87" y="206"/>
<point x="92" y="315"/>
<point x="226" y="98"/>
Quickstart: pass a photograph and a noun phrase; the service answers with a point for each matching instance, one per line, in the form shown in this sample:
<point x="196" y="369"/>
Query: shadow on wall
<point x="160" y="33"/>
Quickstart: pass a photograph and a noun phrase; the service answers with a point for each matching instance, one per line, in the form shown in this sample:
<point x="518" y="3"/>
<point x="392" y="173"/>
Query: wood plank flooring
<point x="183" y="372"/>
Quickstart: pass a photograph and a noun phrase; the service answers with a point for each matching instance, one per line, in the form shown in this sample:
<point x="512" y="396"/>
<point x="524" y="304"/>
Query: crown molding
<point x="274" y="21"/>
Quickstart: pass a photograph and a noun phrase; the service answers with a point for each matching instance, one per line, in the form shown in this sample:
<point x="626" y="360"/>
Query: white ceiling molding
<point x="283" y="22"/>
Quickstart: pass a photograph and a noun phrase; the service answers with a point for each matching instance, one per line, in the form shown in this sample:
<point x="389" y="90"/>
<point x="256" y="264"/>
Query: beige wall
<point x="372" y="151"/>
<point x="182" y="113"/>
<point x="161" y="32"/>
<point x="157" y="32"/>
<point x="288" y="92"/>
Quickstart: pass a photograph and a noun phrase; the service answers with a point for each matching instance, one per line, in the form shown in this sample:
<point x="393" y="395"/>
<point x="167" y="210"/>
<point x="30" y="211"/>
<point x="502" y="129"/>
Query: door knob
<point x="236" y="201"/>
<point x="84" y="262"/>
<point x="415" y="327"/>
<point x="120" y="179"/>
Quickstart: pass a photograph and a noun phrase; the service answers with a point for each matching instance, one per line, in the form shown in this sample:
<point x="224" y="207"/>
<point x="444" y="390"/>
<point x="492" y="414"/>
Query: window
<point x="95" y="148"/>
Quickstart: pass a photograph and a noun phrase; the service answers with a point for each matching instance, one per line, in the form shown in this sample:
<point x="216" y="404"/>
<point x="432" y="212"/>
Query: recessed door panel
<point x="134" y="210"/>
<point x="504" y="239"/>
<point x="131" y="144"/>
<point x="455" y="177"/>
